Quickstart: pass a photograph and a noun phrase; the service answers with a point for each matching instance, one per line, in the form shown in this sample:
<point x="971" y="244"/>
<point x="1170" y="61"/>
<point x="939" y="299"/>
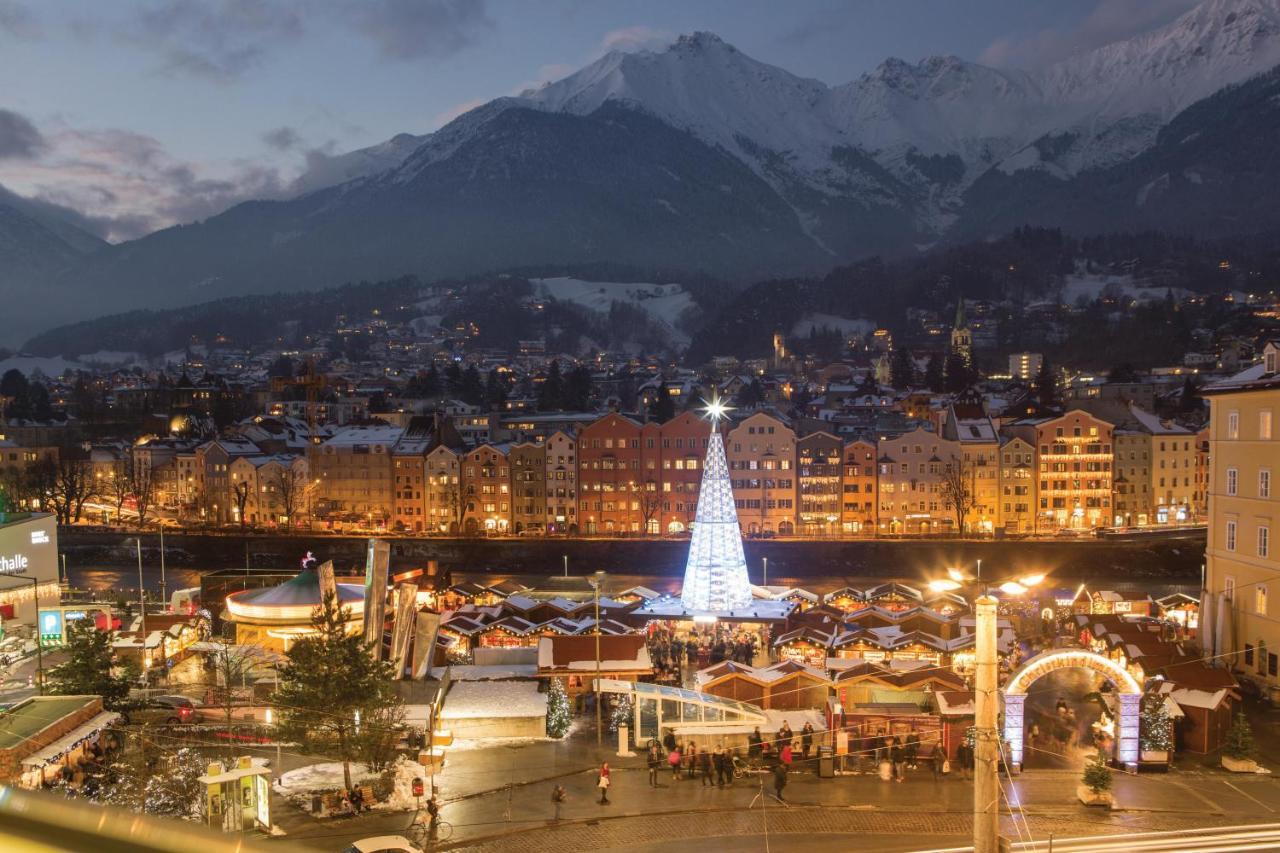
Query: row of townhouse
<point x="615" y="475"/>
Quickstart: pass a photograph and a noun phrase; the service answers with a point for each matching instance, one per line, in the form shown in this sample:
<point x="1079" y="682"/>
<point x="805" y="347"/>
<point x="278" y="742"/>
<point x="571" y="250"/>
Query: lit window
<point x="1233" y="425"/>
<point x="1260" y="599"/>
<point x="1264" y="424"/>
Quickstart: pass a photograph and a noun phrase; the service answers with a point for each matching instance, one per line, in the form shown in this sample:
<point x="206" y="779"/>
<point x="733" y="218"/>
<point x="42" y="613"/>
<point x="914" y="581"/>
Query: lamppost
<point x="986" y="688"/>
<point x="597" y="580"/>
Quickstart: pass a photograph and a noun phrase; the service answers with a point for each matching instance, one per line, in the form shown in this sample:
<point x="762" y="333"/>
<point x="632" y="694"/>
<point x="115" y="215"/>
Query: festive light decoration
<point x="1128" y="689"/>
<point x="1155" y="729"/>
<point x="715" y="576"/>
<point x="558" y="719"/>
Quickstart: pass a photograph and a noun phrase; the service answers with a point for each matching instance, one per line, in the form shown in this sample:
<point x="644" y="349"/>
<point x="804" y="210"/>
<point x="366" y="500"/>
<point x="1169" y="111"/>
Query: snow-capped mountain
<point x="700" y="159"/>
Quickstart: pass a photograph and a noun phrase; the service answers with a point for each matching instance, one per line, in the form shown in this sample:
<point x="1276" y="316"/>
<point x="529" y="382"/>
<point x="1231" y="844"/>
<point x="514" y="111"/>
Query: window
<point x="1264" y="540"/>
<point x="1229" y="588"/>
<point x="1264" y="483"/>
<point x="1260" y="599"/>
<point x="1248" y="654"/>
<point x="1269" y="359"/>
<point x="1233" y="479"/>
<point x="1233" y="425"/>
<point x="1231" y="536"/>
<point x="1264" y="424"/>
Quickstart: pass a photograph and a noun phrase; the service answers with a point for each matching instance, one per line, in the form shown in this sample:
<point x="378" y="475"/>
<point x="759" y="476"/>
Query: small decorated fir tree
<point x="1154" y="728"/>
<point x="558" y="718"/>
<point x="1239" y="743"/>
<point x="621" y="713"/>
<point x="1097" y="775"/>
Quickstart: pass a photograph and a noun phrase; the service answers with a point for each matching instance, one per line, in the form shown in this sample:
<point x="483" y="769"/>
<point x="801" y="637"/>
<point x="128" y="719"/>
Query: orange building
<point x="1074" y="455"/>
<point x="682" y="447"/>
<point x="486" y="490"/>
<point x="858" y="488"/>
<point x="610" y="475"/>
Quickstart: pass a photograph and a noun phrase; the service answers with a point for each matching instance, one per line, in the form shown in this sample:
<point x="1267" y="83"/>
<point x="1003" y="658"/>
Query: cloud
<point x="634" y="38"/>
<point x="1107" y="22"/>
<point x="282" y="138"/>
<point x="124" y="184"/>
<point x="19" y="138"/>
<point x="16" y="20"/>
<point x="218" y="39"/>
<point x="413" y="29"/>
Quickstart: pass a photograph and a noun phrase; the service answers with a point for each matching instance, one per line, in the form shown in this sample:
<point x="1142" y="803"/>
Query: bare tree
<point x="650" y="502"/>
<point x="956" y="489"/>
<point x="65" y="484"/>
<point x="117" y="487"/>
<point x="143" y="486"/>
<point x="240" y="494"/>
<point x="231" y="667"/>
<point x="291" y="486"/>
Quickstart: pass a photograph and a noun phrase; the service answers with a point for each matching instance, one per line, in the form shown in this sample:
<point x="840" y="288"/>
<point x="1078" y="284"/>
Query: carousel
<point x="275" y="617"/>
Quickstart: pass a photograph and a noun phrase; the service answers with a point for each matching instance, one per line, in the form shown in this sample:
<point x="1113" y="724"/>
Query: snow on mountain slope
<point x="330" y="171"/>
<point x="664" y="303"/>
<point x="711" y="88"/>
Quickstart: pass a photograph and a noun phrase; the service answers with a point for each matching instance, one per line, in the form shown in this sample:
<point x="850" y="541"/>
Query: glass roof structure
<point x="659" y="707"/>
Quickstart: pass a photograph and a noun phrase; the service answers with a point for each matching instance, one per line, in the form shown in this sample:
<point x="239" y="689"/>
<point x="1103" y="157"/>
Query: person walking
<point x="724" y="767"/>
<point x="558" y="797"/>
<point x="704" y="765"/>
<point x="806" y="740"/>
<point x="655" y="761"/>
<point x="785" y="735"/>
<point x="898" y="756"/>
<point x="779" y="781"/>
<point x="913" y="748"/>
<point x="965" y="755"/>
<point x="784" y="755"/>
<point x="603" y="784"/>
<point x="753" y="745"/>
<point x="939" y="761"/>
<point x="690" y="754"/>
<point x="673" y="758"/>
<point x="669" y="740"/>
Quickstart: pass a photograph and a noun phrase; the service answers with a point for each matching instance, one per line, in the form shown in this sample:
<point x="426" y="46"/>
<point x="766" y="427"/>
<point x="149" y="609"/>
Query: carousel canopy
<point x="292" y="601"/>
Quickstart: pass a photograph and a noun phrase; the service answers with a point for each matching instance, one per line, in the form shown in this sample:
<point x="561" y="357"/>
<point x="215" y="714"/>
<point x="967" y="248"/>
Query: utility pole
<point x="986" y="786"/>
<point x="596" y="581"/>
<point x="142" y="600"/>
<point x="164" y="594"/>
<point x="765" y="581"/>
<point x="566" y="565"/>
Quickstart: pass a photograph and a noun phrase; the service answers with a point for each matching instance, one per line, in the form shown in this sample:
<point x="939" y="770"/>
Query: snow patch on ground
<point x="29" y="364"/>
<point x="472" y="700"/>
<point x="1090" y="286"/>
<point x="664" y="303"/>
<point x="299" y="785"/>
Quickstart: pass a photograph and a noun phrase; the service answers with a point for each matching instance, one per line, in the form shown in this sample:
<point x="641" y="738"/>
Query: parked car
<point x="163" y="710"/>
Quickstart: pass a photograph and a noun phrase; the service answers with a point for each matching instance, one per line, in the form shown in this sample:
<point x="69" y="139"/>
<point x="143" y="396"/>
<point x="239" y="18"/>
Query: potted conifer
<point x="1096" y="787"/>
<point x="1238" y="751"/>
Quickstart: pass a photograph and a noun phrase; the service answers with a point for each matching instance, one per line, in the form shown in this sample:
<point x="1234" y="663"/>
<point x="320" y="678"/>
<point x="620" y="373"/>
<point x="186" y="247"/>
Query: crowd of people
<point x="699" y="648"/>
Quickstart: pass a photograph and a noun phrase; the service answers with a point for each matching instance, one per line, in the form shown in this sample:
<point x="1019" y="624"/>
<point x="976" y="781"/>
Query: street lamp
<point x="597" y="580"/>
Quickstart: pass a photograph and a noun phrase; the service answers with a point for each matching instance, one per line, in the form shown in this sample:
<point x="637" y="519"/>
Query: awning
<point x="95" y="723"/>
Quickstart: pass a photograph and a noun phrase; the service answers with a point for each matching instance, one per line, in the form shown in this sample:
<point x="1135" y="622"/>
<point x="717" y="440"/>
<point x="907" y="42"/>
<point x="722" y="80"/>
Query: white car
<point x="382" y="844"/>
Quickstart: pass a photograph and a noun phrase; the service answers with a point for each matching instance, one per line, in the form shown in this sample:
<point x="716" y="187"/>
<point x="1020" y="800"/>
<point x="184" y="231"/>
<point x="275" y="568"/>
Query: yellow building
<point x="355" y="475"/>
<point x="761" y="451"/>
<point x="1074" y="458"/>
<point x="1243" y="507"/>
<point x="910" y="477"/>
<point x="968" y="425"/>
<point x="1017" y="486"/>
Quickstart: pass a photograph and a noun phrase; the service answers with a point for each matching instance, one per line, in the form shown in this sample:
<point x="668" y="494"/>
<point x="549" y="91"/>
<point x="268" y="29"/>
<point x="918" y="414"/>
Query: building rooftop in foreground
<point x="22" y="721"/>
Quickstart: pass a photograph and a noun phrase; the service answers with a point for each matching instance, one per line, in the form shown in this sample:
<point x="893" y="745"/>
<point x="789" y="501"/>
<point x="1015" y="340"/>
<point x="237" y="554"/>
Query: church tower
<point x="961" y="337"/>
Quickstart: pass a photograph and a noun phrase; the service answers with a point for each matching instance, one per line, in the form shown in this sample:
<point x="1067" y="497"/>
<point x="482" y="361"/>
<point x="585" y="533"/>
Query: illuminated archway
<point x="1128" y="693"/>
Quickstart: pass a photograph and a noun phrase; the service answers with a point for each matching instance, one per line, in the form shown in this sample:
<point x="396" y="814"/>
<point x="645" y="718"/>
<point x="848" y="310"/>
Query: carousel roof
<point x="295" y="598"/>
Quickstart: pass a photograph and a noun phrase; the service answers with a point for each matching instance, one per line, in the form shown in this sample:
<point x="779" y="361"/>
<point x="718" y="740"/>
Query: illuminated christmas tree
<point x="558" y="716"/>
<point x="715" y="577"/>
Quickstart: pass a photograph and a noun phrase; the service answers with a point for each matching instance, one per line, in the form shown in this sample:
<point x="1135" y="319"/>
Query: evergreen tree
<point x="957" y="374"/>
<point x="578" y="390"/>
<point x="472" y="389"/>
<point x="1153" y="725"/>
<point x="933" y="376"/>
<point x="558" y="717"/>
<point x="88" y="668"/>
<point x="1046" y="386"/>
<point x="331" y="687"/>
<point x="902" y="370"/>
<point x="663" y="408"/>
<point x="621" y="713"/>
<point x="175" y="790"/>
<point x="1239" y="743"/>
<point x="495" y="390"/>
<point x="750" y="395"/>
<point x="551" y="392"/>
<point x="453" y="379"/>
<point x="1097" y="775"/>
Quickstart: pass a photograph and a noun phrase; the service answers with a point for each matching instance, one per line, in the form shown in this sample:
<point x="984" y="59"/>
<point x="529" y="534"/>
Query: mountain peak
<point x="701" y="40"/>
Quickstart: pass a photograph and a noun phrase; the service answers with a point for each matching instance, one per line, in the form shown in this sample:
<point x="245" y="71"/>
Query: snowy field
<point x="664" y="303"/>
<point x="1091" y="286"/>
<point x="843" y="325"/>
<point x="298" y="785"/>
